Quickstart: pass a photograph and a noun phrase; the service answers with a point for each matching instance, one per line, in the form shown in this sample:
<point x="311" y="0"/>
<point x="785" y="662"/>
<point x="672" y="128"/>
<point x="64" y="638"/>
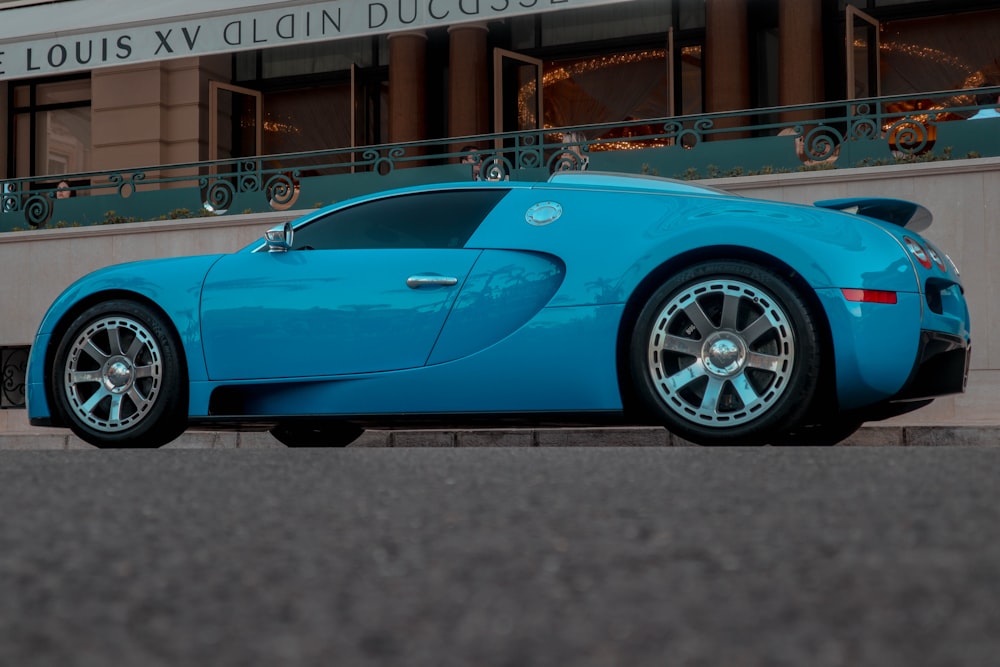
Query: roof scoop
<point x="896" y="211"/>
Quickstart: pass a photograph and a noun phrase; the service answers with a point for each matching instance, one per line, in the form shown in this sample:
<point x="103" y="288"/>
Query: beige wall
<point x="155" y="113"/>
<point x="964" y="195"/>
<point x="38" y="264"/>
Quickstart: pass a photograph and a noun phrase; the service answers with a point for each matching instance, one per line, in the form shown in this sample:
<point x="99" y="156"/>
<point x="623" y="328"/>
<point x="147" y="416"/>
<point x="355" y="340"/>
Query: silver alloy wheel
<point x="721" y="352"/>
<point x="113" y="374"/>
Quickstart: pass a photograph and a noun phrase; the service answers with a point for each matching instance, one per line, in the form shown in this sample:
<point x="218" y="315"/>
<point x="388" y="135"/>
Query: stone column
<point x="800" y="50"/>
<point x="727" y="60"/>
<point x="127" y="110"/>
<point x="468" y="80"/>
<point x="153" y="113"/>
<point x="407" y="87"/>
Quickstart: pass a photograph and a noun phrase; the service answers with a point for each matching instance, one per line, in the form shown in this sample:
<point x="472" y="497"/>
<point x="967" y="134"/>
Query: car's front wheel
<point x="726" y="353"/>
<point x="117" y="377"/>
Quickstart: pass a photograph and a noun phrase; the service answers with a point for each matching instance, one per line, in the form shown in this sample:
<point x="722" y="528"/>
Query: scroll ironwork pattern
<point x="844" y="134"/>
<point x="14" y="365"/>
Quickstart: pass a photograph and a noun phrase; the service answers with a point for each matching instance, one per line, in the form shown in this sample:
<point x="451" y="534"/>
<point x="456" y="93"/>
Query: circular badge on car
<point x="543" y="213"/>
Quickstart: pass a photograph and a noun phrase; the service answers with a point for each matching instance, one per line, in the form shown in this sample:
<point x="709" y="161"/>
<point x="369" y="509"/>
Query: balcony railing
<point x="772" y="140"/>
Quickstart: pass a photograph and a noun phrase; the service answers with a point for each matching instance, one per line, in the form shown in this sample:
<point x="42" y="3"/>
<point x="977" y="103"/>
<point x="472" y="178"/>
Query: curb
<point x="868" y="436"/>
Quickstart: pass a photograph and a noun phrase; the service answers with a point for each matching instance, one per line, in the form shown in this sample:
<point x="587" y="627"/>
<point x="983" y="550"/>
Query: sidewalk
<point x="871" y="436"/>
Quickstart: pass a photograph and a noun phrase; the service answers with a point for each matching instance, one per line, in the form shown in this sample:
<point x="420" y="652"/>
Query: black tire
<point x="726" y="353"/>
<point x="117" y="378"/>
<point x="316" y="433"/>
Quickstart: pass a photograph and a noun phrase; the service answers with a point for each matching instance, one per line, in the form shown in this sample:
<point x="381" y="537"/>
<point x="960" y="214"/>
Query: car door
<point x="363" y="289"/>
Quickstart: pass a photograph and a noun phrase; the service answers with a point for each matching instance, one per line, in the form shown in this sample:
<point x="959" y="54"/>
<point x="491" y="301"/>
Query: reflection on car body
<point x="588" y="299"/>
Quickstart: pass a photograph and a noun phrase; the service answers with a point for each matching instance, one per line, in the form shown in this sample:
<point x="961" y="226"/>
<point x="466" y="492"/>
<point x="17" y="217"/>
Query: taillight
<point x="936" y="256"/>
<point x="869" y="295"/>
<point x="918" y="251"/>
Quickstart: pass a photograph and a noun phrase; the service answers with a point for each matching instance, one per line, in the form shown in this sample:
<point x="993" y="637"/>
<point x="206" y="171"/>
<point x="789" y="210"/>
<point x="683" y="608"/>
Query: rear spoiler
<point x="897" y="211"/>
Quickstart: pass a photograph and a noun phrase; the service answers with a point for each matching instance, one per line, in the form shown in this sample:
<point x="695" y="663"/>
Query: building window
<point x="930" y="54"/>
<point x="605" y="89"/>
<point x="611" y="64"/>
<point x="50" y="130"/>
<point x="307" y="119"/>
<point x="307" y="94"/>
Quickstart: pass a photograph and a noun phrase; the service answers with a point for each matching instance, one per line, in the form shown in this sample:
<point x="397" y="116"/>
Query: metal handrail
<point x="839" y="134"/>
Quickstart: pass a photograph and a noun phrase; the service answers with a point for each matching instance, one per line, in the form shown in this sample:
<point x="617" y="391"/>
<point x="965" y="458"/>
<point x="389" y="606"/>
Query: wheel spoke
<point x="713" y="392"/>
<point x="699" y="319"/>
<point x="744" y="390"/>
<point x="83" y="377"/>
<point x="765" y="362"/>
<point x="681" y="345"/>
<point x="757" y="328"/>
<point x="138" y="400"/>
<point x="94" y="352"/>
<point x="114" y="339"/>
<point x="115" y="412"/>
<point x="91" y="403"/>
<point x="730" y="311"/>
<point x="144" y="371"/>
<point x="686" y="376"/>
<point x="135" y="349"/>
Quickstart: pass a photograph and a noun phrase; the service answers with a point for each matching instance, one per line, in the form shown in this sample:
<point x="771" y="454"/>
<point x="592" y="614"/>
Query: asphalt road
<point x="569" y="557"/>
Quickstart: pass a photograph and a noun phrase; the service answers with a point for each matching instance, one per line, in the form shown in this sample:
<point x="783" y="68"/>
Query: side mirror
<point x="279" y="238"/>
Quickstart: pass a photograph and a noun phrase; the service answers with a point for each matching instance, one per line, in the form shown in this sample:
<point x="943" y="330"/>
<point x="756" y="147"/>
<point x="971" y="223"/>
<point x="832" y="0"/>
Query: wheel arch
<point x="826" y="395"/>
<point x="66" y="320"/>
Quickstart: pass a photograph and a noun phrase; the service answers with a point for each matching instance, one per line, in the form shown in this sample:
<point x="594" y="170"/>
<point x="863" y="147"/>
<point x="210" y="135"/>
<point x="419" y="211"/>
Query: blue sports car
<point x="589" y="299"/>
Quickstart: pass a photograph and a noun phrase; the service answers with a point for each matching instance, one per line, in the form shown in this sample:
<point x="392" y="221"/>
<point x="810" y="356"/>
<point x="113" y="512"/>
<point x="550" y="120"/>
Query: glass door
<point x="369" y="107"/>
<point x="235" y="130"/>
<point x="235" y="126"/>
<point x="517" y="98"/>
<point x="863" y="43"/>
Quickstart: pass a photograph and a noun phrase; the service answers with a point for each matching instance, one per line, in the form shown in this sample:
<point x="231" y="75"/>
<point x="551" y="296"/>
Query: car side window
<point x="444" y="219"/>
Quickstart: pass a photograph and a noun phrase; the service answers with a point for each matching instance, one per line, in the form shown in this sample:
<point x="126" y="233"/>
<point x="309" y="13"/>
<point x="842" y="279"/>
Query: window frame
<point x="372" y="214"/>
<point x="34" y="109"/>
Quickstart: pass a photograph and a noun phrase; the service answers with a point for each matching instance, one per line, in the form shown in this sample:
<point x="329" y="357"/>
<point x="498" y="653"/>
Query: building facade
<point x="94" y="85"/>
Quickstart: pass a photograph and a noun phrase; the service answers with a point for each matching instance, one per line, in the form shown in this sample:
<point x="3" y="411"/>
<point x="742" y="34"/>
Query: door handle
<point x="416" y="282"/>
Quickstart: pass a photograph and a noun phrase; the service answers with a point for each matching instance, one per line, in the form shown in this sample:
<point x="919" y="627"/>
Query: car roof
<point x="574" y="180"/>
<point x="612" y="180"/>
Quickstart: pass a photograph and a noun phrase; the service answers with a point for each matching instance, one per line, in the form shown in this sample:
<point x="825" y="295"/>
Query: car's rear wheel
<point x="316" y="433"/>
<point x="726" y="353"/>
<point x="117" y="378"/>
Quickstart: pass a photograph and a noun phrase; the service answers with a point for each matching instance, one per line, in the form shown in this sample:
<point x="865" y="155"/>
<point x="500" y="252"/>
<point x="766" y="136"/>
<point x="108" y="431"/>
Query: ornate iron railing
<point x="14" y="364"/>
<point x="772" y="140"/>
